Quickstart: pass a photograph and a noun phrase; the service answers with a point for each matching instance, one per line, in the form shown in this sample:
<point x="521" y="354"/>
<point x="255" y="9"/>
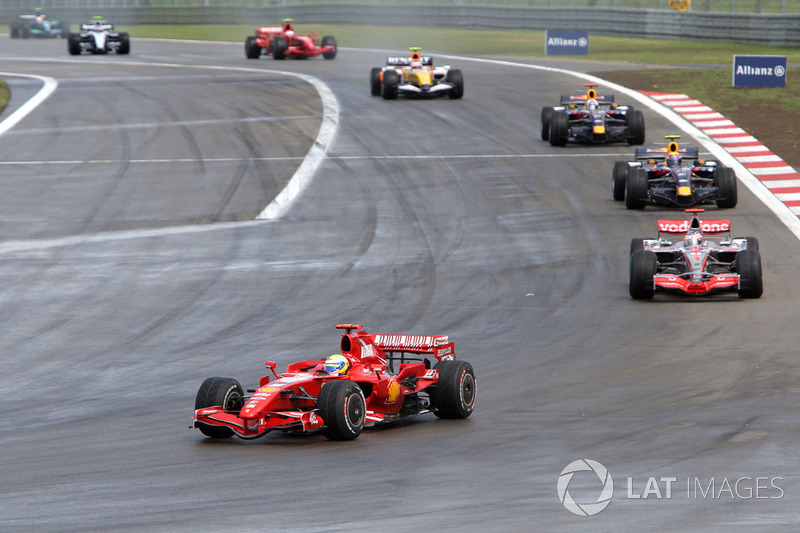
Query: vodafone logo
<point x="682" y="226"/>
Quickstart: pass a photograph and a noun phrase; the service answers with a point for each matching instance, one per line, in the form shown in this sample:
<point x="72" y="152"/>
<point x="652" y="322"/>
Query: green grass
<point x="5" y="94"/>
<point x="487" y="42"/>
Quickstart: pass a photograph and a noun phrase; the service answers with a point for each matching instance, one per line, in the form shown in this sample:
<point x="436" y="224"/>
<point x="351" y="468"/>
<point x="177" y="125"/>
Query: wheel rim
<point x="354" y="410"/>
<point x="467" y="389"/>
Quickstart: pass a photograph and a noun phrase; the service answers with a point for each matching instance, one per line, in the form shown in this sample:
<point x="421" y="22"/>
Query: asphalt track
<point x="132" y="268"/>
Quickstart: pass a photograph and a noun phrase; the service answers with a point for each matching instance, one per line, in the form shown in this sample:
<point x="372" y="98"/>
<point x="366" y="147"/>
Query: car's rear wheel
<point x="725" y="179"/>
<point x="14" y="31"/>
<point x="455" y="394"/>
<point x="644" y="265"/>
<point x="455" y="77"/>
<point x="224" y="392"/>
<point x="636" y="188"/>
<point x="343" y="408"/>
<point x="391" y="79"/>
<point x="559" y="128"/>
<point x="547" y="114"/>
<point x="279" y="46"/>
<point x="618" y="176"/>
<point x="635" y="120"/>
<point x="375" y="81"/>
<point x="251" y="48"/>
<point x="748" y="266"/>
<point x="329" y="40"/>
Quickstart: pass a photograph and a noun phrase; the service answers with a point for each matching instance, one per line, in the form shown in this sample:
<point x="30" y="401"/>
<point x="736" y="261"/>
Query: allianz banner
<point x="759" y="71"/>
<point x="566" y="42"/>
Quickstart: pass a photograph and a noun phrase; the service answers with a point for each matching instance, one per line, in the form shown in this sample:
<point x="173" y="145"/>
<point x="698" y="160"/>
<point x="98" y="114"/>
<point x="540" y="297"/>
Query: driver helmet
<point x="591" y="104"/>
<point x="337" y="364"/>
<point x="693" y="239"/>
<point x="416" y="64"/>
<point x="673" y="160"/>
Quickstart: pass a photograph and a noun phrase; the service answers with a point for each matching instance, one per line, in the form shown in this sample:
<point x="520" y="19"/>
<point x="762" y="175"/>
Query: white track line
<point x="48" y="86"/>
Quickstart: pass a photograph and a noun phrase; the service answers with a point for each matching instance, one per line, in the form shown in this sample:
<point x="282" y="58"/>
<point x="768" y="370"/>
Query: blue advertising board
<point x="759" y="71"/>
<point x="566" y="42"/>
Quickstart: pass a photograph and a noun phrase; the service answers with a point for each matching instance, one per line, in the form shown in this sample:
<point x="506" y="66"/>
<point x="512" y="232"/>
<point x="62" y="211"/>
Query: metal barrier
<point x="775" y="30"/>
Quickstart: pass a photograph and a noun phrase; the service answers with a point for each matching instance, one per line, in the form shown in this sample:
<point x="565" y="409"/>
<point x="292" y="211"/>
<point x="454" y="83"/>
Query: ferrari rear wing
<point x="364" y="345"/>
<point x="641" y="154"/>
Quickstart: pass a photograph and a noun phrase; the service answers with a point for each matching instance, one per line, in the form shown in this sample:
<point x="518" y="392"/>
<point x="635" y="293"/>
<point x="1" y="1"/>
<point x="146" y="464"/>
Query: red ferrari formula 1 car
<point x="375" y="379"/>
<point x="282" y="42"/>
<point x="695" y="265"/>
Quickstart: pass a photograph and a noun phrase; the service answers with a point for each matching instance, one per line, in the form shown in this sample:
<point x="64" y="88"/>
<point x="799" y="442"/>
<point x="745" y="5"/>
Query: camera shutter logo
<point x="585" y="509"/>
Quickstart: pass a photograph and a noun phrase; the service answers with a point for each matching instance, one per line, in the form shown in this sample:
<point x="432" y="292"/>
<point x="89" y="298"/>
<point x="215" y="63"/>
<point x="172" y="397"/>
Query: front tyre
<point x="391" y="79"/>
<point x="725" y="179"/>
<point x="644" y="265"/>
<point x="279" y="46"/>
<point x="74" y="43"/>
<point x="559" y="128"/>
<point x="636" y="189"/>
<point x="455" y="77"/>
<point x="224" y="392"/>
<point x="618" y="176"/>
<point x="455" y="394"/>
<point x="375" y="81"/>
<point x="124" y="44"/>
<point x="547" y="114"/>
<point x="343" y="408"/>
<point x="748" y="266"/>
<point x="329" y="40"/>
<point x="251" y="48"/>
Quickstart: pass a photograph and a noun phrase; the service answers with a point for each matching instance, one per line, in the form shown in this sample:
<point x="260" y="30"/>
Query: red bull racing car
<point x="282" y="42"/>
<point x="673" y="176"/>
<point x="591" y="118"/>
<point x="415" y="76"/>
<point x="693" y="264"/>
<point x="375" y="379"/>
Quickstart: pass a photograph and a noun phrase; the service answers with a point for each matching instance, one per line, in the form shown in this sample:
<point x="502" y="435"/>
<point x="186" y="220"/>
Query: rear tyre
<point x="547" y="114"/>
<point x="618" y="176"/>
<point x="375" y="81"/>
<point x="635" y="121"/>
<point x="251" y="48"/>
<point x="74" y="43"/>
<point x="329" y="40"/>
<point x="455" y="394"/>
<point x="225" y="392"/>
<point x="644" y="265"/>
<point x="279" y="46"/>
<point x="559" y="128"/>
<point x="14" y="31"/>
<point x="748" y="266"/>
<point x="457" y="79"/>
<point x="391" y="79"/>
<point x="636" y="188"/>
<point x="725" y="179"/>
<point x="124" y="44"/>
<point x="343" y="408"/>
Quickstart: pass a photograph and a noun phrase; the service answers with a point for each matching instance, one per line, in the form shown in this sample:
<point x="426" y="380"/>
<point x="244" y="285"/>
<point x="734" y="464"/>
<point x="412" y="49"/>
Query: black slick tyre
<point x="455" y="394"/>
<point x="124" y="44"/>
<point x="618" y="176"/>
<point x="455" y="77"/>
<point x="73" y="43"/>
<point x="251" y="48"/>
<point x="636" y="189"/>
<point x="224" y="392"/>
<point x="375" y="81"/>
<point x="279" y="46"/>
<point x="547" y="114"/>
<point x="329" y="40"/>
<point x="748" y="266"/>
<point x="725" y="179"/>
<point x="635" y="121"/>
<point x="636" y="246"/>
<point x="559" y="128"/>
<point x="391" y="79"/>
<point x="643" y="268"/>
<point x="343" y="408"/>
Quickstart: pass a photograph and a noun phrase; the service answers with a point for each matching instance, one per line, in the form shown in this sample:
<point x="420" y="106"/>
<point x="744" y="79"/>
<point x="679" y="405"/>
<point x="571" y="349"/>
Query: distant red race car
<point x="339" y="396"/>
<point x="282" y="42"/>
<point x="695" y="265"/>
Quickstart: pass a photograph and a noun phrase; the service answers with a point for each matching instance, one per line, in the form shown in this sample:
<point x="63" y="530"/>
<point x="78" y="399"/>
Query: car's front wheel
<point x="644" y="265"/>
<point x="224" y="392"/>
<point x="725" y="179"/>
<point x="748" y="266"/>
<point x="343" y="408"/>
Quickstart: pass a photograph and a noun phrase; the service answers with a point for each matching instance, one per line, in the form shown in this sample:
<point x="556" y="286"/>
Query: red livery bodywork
<point x="282" y="42"/>
<point x="386" y="380"/>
